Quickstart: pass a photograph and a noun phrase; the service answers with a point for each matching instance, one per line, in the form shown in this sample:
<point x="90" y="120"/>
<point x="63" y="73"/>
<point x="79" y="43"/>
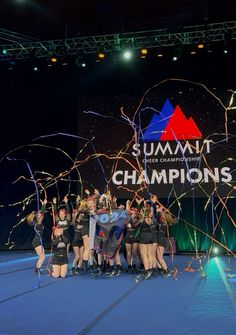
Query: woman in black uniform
<point x="146" y="239"/>
<point x="35" y="219"/>
<point x="77" y="243"/>
<point x="63" y="219"/>
<point x="164" y="220"/>
<point x="60" y="256"/>
<point x="131" y="239"/>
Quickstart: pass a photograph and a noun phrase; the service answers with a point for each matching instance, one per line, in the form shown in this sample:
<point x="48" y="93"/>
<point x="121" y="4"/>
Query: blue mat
<point x="187" y="304"/>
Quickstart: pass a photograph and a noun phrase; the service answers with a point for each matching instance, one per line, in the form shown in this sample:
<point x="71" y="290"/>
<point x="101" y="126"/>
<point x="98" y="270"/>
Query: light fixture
<point x="127" y="55"/>
<point x="101" y="55"/>
<point x="215" y="250"/>
<point x="53" y="59"/>
<point x="177" y="53"/>
<point x="143" y="53"/>
<point x="200" y="45"/>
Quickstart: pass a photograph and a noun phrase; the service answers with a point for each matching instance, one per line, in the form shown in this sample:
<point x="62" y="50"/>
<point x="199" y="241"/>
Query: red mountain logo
<point x="170" y="125"/>
<point x="181" y="128"/>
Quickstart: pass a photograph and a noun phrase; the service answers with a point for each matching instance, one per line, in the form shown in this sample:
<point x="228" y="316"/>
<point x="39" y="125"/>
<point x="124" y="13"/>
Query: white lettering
<point x="136" y="147"/>
<point x="226" y="172"/>
<point x="132" y="177"/>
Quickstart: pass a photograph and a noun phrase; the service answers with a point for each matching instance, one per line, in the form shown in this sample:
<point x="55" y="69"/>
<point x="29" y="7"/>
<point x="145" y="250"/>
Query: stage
<point x="191" y="302"/>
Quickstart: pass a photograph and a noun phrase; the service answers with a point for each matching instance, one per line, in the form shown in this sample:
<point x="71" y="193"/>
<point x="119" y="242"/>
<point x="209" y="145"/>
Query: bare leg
<point x="86" y="248"/>
<point x="160" y="252"/>
<point x="81" y="253"/>
<point x="56" y="270"/>
<point x="63" y="270"/>
<point x="144" y="255"/>
<point x="41" y="256"/>
<point x="76" y="256"/>
<point x="128" y="253"/>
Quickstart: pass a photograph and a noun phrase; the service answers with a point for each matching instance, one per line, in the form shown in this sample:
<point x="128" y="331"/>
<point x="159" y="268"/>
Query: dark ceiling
<point x="46" y="19"/>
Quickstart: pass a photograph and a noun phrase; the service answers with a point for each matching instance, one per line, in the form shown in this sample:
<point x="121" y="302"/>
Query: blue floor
<point x="188" y="304"/>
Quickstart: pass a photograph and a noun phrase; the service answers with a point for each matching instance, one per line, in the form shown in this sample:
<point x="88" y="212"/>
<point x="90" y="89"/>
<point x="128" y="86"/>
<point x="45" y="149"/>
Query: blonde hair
<point x="83" y="204"/>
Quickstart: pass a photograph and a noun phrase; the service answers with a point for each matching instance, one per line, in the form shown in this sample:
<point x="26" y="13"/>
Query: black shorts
<point x="77" y="242"/>
<point x="60" y="257"/>
<point x="37" y="242"/>
<point x="85" y="230"/>
<point x="132" y="237"/>
<point x="154" y="235"/>
<point x="162" y="240"/>
<point x="146" y="237"/>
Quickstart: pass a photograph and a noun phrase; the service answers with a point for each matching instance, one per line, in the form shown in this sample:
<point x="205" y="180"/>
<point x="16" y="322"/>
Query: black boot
<point x="72" y="271"/>
<point x="91" y="269"/>
<point x="112" y="273"/>
<point x="85" y="266"/>
<point x="166" y="273"/>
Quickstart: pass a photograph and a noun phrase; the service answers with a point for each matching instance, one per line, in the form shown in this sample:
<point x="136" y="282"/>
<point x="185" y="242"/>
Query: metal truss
<point x="188" y="35"/>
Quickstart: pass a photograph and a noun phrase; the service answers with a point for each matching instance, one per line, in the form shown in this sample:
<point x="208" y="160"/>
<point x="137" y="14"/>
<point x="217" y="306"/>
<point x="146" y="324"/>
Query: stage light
<point x="225" y="52"/>
<point x="177" y="53"/>
<point x="160" y="54"/>
<point x="200" y="45"/>
<point x="127" y="55"/>
<point x="80" y="61"/>
<point x="193" y="52"/>
<point x="101" y="55"/>
<point x="35" y="68"/>
<point x="4" y="51"/>
<point x="53" y="59"/>
<point x="215" y="250"/>
<point x="144" y="53"/>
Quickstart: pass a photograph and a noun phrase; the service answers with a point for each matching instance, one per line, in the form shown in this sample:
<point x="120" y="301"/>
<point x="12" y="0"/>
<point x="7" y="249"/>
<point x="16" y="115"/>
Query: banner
<point x="173" y="156"/>
<point x="109" y="231"/>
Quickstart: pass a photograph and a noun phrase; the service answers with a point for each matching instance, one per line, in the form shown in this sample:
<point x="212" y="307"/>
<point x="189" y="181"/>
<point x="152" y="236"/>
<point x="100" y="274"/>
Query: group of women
<point x="145" y="236"/>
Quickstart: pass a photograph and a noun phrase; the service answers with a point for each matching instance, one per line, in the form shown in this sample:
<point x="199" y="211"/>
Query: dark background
<point x="46" y="19"/>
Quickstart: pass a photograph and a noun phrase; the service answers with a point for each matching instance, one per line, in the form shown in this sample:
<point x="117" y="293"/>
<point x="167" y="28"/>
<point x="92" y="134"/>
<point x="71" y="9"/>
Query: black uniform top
<point x="164" y="219"/>
<point x="145" y="227"/>
<point x="83" y="218"/>
<point x="38" y="222"/>
<point x="60" y="242"/>
<point x="80" y="219"/>
<point x="64" y="224"/>
<point x="133" y="224"/>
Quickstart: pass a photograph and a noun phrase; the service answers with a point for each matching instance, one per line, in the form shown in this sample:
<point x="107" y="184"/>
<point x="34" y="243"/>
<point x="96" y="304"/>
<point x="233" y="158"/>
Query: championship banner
<point x="109" y="231"/>
<point x="175" y="155"/>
